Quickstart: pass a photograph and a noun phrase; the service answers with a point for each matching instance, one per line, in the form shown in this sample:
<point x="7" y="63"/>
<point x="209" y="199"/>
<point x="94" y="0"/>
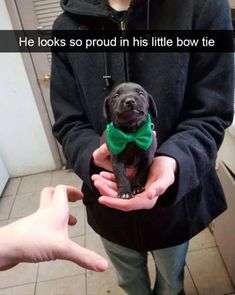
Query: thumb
<point x="83" y="257"/>
<point x="101" y="153"/>
<point x="101" y="157"/>
<point x="158" y="187"/>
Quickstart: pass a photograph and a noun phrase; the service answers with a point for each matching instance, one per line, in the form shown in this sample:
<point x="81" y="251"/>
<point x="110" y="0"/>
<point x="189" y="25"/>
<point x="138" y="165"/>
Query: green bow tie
<point x="117" y="139"/>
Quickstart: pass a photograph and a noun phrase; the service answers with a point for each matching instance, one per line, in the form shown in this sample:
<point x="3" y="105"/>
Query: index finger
<point x="73" y="193"/>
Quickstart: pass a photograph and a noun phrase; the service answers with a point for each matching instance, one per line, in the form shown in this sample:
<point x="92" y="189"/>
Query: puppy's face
<point x="128" y="105"/>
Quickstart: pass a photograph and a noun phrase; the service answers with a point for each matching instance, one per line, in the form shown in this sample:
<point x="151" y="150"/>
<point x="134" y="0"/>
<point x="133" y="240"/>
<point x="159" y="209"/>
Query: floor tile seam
<point x="21" y="179"/>
<point x="60" y="278"/>
<point x="4" y="220"/>
<point x="77" y="236"/>
<point x="20" y="216"/>
<point x="29" y="192"/>
<point x="93" y="233"/>
<point x="35" y="287"/>
<point x="191" y="276"/>
<point x="11" y="207"/>
<point x="221" y="257"/>
<point x="197" y="250"/>
<point x="228" y="274"/>
<point x="79" y="272"/>
<point x="17" y="196"/>
<point x="34" y="174"/>
<point x="17" y="285"/>
<point x="14" y="194"/>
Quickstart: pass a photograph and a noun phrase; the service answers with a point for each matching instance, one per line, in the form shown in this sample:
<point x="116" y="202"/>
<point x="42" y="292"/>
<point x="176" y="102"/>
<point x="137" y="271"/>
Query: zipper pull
<point x="107" y="80"/>
<point x="123" y="25"/>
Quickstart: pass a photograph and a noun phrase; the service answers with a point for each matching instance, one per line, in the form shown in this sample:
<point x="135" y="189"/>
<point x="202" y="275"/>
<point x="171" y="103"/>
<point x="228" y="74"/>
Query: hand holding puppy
<point x="161" y="176"/>
<point x="102" y="159"/>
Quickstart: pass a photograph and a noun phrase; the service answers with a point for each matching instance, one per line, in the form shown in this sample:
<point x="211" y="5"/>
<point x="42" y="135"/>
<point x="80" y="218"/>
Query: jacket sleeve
<point x="207" y="109"/>
<point x="71" y="128"/>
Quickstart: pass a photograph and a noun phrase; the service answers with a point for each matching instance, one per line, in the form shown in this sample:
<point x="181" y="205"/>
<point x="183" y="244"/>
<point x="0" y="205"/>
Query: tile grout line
<point x="35" y="287"/>
<point x="191" y="276"/>
<point x="60" y="278"/>
<point x="197" y="250"/>
<point x="227" y="273"/>
<point x="21" y="178"/>
<point x="15" y="198"/>
<point x="25" y="193"/>
<point x="20" y="285"/>
<point x="226" y="269"/>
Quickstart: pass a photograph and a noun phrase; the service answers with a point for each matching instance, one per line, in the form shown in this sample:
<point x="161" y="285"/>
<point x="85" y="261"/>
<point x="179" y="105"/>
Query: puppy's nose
<point x="130" y="101"/>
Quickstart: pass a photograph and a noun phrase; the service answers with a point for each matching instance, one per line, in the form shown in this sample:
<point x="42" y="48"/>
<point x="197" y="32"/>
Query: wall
<point x="232" y="3"/>
<point x="24" y="146"/>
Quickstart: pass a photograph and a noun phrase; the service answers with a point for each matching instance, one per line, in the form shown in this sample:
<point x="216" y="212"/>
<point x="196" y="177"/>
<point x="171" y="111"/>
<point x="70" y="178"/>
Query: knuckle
<point x="61" y="187"/>
<point x="47" y="189"/>
<point x="160" y="189"/>
<point x="95" y="154"/>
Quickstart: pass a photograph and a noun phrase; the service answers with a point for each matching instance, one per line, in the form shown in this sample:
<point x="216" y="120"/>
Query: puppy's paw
<point x="137" y="190"/>
<point x="125" y="195"/>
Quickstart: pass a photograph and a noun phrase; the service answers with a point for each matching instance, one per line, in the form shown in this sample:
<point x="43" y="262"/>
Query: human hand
<point x="43" y="236"/>
<point x="161" y="176"/>
<point x="101" y="158"/>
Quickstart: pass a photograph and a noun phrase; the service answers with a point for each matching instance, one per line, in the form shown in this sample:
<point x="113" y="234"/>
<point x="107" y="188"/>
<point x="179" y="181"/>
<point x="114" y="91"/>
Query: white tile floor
<point x="205" y="271"/>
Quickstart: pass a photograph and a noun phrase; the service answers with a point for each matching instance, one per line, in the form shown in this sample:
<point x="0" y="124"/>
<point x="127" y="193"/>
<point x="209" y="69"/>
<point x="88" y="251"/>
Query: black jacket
<point x="194" y="98"/>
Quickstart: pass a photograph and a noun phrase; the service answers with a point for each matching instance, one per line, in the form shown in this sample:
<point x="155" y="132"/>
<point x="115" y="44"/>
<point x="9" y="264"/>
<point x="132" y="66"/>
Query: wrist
<point x="173" y="164"/>
<point x="169" y="162"/>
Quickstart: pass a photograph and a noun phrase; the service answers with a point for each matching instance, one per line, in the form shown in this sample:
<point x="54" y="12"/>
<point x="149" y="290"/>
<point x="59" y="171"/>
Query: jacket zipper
<point x="123" y="28"/>
<point x="135" y="214"/>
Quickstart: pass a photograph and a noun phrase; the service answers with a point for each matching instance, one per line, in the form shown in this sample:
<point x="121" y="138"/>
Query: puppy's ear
<point x="152" y="107"/>
<point x="106" y="110"/>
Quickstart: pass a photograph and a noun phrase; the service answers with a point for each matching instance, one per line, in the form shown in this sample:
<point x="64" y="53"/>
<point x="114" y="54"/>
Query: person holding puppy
<point x="193" y="93"/>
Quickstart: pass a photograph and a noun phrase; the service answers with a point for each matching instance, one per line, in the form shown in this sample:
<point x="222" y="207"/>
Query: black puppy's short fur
<point x="127" y="107"/>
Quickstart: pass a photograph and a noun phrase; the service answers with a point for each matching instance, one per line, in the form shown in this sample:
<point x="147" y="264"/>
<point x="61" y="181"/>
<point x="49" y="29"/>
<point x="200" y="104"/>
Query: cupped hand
<point x="161" y="176"/>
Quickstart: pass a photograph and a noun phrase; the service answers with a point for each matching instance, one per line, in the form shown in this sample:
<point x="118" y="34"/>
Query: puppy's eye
<point x="141" y="94"/>
<point x="116" y="95"/>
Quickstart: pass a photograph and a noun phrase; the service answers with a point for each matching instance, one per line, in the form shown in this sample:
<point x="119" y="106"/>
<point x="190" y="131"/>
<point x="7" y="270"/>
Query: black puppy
<point x="129" y="136"/>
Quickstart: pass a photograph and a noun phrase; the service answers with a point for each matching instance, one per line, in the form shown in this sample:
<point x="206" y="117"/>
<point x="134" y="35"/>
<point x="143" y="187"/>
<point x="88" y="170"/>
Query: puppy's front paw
<point x="137" y="190"/>
<point x="125" y="195"/>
